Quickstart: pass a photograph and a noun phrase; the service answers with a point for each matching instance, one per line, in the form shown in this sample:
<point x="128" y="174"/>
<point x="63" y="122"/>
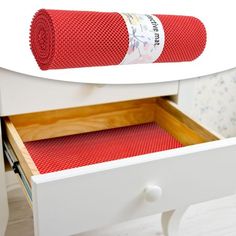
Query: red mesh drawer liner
<point x="185" y="38"/>
<point x="95" y="147"/>
<point x="71" y="39"/>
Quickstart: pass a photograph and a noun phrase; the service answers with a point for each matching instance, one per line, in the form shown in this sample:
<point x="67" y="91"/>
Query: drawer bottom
<point x="72" y="151"/>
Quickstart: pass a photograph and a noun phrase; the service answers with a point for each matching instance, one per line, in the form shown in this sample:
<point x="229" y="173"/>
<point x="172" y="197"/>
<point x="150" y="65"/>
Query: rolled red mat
<point x="71" y="39"/>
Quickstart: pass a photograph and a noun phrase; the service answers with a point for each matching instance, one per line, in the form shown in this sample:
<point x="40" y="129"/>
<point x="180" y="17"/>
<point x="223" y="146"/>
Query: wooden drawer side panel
<point x="20" y="150"/>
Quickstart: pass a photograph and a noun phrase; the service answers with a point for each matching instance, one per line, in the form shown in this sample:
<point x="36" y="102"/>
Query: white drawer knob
<point x="152" y="193"/>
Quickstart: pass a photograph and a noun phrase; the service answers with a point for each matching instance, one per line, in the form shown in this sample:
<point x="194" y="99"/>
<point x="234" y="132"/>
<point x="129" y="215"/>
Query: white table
<point x="201" y="172"/>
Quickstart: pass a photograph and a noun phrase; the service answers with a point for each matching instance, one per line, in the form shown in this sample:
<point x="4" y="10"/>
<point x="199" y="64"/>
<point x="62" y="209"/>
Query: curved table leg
<point x="171" y="221"/>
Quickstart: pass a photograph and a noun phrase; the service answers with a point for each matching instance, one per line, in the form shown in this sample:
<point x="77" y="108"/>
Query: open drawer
<point x="106" y="186"/>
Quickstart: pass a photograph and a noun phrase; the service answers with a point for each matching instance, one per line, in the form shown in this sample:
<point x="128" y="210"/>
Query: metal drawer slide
<point x="15" y="165"/>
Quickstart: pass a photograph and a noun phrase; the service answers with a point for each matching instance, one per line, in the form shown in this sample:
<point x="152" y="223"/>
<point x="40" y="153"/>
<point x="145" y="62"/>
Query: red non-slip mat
<point x="71" y="39"/>
<point x="185" y="38"/>
<point x="95" y="147"/>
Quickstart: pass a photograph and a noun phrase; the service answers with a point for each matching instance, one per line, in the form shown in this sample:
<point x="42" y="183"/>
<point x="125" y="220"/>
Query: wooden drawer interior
<point x="22" y="129"/>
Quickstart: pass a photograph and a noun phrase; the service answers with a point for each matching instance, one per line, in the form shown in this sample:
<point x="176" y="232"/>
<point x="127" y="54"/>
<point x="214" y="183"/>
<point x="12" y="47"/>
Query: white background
<point x="218" y="16"/>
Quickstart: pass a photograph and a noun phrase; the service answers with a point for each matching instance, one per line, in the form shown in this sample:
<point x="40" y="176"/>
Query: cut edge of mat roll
<point x="45" y="34"/>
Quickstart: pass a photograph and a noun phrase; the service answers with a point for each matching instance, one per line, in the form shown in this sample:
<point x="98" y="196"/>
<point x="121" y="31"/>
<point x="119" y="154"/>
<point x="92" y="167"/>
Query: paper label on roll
<point x="146" y="38"/>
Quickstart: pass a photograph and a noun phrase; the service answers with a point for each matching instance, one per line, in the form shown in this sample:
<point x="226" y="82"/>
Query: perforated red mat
<point x="71" y="39"/>
<point x="90" y="148"/>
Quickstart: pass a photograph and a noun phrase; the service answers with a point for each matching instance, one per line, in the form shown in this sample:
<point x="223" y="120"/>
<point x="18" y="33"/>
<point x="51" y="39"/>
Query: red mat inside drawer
<point x="95" y="147"/>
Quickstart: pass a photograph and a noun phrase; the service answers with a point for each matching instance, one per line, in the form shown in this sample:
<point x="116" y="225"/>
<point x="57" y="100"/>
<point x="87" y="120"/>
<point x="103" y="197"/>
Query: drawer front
<point x="37" y="94"/>
<point x="91" y="197"/>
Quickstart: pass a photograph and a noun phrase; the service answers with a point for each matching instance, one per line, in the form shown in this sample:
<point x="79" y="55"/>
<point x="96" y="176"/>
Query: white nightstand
<point x="74" y="200"/>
